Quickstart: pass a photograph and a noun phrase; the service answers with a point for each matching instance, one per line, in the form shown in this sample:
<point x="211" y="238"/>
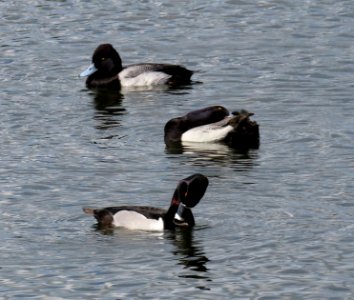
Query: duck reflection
<point x="108" y="105"/>
<point x="201" y="153"/>
<point x="208" y="149"/>
<point x="107" y="100"/>
<point x="190" y="254"/>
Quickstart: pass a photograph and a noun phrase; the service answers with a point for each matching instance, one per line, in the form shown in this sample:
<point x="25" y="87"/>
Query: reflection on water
<point x="108" y="105"/>
<point x="209" y="149"/>
<point x="188" y="251"/>
<point x="189" y="254"/>
<point x="214" y="152"/>
<point x="290" y="64"/>
<point x="103" y="230"/>
<point x="109" y="101"/>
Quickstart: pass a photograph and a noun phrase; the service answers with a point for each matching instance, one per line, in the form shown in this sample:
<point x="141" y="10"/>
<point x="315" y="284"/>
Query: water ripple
<point x="275" y="222"/>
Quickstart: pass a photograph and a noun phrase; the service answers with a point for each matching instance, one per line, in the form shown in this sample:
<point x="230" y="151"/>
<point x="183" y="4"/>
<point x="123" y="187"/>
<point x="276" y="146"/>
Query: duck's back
<point x="154" y="74"/>
<point x="147" y="211"/>
<point x="130" y="217"/>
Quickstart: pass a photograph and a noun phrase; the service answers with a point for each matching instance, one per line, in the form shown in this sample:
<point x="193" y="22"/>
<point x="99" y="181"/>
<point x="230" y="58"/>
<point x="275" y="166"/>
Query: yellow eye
<point x="103" y="58"/>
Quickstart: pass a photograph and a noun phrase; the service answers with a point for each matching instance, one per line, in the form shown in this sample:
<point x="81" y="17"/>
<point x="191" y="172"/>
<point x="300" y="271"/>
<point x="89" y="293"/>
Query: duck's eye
<point x="103" y="58"/>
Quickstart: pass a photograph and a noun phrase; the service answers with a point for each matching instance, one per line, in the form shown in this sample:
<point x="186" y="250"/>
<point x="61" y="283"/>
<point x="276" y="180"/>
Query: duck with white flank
<point x="107" y="71"/>
<point x="188" y="193"/>
<point x="213" y="124"/>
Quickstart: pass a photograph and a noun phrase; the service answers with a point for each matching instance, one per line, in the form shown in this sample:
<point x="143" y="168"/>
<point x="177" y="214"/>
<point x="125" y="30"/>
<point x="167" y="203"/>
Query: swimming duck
<point x="213" y="124"/>
<point x="107" y="71"/>
<point x="188" y="193"/>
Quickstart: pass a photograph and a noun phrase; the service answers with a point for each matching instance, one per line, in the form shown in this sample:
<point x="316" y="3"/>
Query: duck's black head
<point x="187" y="195"/>
<point x="106" y="64"/>
<point x="107" y="60"/>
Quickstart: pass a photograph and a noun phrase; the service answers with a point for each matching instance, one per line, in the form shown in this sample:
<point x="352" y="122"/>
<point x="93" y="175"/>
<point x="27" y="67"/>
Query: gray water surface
<point x="275" y="223"/>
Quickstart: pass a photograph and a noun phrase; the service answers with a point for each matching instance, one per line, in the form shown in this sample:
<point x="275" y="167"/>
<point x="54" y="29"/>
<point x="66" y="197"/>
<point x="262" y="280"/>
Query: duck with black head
<point x="187" y="195"/>
<point x="213" y="124"/>
<point x="107" y="71"/>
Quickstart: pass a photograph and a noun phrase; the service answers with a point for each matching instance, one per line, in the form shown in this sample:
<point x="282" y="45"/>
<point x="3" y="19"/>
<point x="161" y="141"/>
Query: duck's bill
<point x="90" y="70"/>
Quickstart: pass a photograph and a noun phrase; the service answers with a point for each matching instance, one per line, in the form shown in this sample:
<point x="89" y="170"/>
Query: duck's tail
<point x="245" y="133"/>
<point x="240" y="117"/>
<point x="103" y="216"/>
<point x="89" y="211"/>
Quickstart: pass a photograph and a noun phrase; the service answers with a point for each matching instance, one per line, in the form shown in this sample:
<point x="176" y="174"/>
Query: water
<point x="275" y="223"/>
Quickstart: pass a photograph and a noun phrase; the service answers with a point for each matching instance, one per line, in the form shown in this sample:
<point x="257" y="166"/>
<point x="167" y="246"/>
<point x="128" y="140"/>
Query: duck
<point x="188" y="193"/>
<point x="211" y="125"/>
<point x="106" y="71"/>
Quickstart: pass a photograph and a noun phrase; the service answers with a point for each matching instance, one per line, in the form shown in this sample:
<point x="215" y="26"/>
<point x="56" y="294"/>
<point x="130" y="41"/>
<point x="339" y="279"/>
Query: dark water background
<point x="275" y="223"/>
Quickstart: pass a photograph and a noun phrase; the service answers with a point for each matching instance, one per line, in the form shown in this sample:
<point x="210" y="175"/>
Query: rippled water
<point x="275" y="223"/>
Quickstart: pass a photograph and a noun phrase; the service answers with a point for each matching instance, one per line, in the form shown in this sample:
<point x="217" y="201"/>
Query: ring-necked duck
<point x="107" y="71"/>
<point x="213" y="124"/>
<point x="188" y="193"/>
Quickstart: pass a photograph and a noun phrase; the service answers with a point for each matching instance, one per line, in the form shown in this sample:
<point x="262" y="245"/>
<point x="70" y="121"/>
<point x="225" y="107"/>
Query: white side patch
<point x="144" y="79"/>
<point x="206" y="133"/>
<point x="135" y="221"/>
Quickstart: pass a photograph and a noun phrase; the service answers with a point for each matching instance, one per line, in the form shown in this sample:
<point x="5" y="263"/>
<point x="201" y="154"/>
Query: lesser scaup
<point x="188" y="193"/>
<point x="107" y="71"/>
<point x="213" y="124"/>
